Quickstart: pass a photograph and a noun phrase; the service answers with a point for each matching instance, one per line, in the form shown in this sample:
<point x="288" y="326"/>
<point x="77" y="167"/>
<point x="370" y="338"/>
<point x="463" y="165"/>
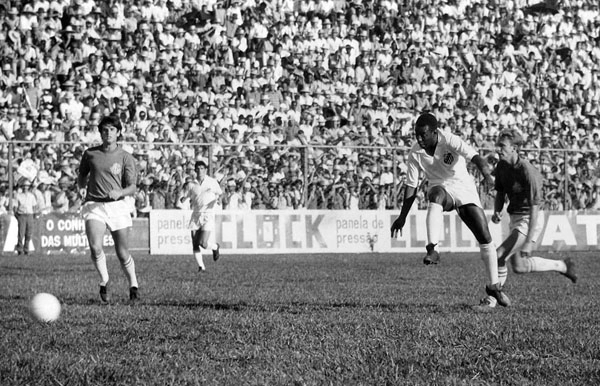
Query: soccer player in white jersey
<point x="440" y="158"/>
<point x="107" y="176"/>
<point x="203" y="194"/>
<point x="521" y="183"/>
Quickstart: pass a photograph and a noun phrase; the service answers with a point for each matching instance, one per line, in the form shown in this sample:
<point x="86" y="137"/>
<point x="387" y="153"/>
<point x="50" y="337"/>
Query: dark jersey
<point x="108" y="170"/>
<point x="522" y="183"/>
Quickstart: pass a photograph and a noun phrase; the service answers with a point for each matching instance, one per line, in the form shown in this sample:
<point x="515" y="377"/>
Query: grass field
<point x="370" y="319"/>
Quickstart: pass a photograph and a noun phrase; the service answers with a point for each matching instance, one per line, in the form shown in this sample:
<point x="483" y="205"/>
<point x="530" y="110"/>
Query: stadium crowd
<point x="295" y="104"/>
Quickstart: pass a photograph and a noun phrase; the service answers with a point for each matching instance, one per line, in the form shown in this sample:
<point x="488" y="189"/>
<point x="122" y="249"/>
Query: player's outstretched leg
<point x="528" y="264"/>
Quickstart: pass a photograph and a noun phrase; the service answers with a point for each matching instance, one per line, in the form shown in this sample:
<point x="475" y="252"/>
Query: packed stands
<point x="301" y="101"/>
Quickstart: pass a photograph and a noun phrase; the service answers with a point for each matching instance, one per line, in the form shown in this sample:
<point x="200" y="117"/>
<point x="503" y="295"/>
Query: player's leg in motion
<point x="94" y="230"/>
<point x="439" y="201"/>
<point x="527" y="264"/>
<point x="474" y="217"/>
<point x="505" y="252"/>
<point x="539" y="264"/>
<point x="196" y="236"/>
<point x="121" y="239"/>
<point x="214" y="247"/>
<point x="511" y="247"/>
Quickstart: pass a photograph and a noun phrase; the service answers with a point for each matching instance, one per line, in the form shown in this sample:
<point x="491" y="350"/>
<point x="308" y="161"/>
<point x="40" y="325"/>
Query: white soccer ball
<point x="45" y="307"/>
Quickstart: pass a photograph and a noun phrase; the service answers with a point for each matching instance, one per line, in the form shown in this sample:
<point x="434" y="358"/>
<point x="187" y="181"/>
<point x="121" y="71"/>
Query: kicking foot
<point x="495" y="291"/>
<point x="433" y="257"/>
<point x="104" y="293"/>
<point x="216" y="252"/>
<point x="201" y="269"/>
<point x="570" y="270"/>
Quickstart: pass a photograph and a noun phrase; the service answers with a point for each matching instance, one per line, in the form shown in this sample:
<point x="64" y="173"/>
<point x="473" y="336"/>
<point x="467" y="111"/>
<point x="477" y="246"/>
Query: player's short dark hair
<point x="513" y="135"/>
<point x="427" y="119"/>
<point x="110" y="120"/>
<point x="201" y="162"/>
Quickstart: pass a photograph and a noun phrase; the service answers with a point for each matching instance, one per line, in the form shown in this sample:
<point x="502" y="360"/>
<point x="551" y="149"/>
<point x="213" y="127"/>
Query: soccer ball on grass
<point x="45" y="307"/>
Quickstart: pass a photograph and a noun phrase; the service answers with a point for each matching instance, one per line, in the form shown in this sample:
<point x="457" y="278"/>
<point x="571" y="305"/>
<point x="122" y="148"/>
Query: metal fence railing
<point x="307" y="176"/>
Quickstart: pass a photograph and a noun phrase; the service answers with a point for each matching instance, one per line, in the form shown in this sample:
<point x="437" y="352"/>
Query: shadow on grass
<point x="268" y="307"/>
<point x="292" y="307"/>
<point x="309" y="307"/>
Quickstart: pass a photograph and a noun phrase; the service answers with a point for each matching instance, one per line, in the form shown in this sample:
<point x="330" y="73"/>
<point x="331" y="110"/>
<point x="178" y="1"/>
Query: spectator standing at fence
<point x="440" y="158"/>
<point x="25" y="208"/>
<point x="203" y="195"/>
<point x="107" y="175"/>
<point x="143" y="203"/>
<point x="4" y="208"/>
<point x="521" y="183"/>
<point x="60" y="198"/>
<point x="43" y="194"/>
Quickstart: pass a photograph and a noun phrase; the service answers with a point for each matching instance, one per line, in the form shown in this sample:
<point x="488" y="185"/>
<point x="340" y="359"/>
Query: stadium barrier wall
<point x="65" y="233"/>
<point x="165" y="232"/>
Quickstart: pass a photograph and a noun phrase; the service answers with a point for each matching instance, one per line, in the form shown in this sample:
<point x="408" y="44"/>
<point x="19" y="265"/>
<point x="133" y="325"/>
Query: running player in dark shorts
<point x="521" y="183"/>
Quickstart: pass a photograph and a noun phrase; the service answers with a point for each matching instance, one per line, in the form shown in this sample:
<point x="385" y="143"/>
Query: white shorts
<point x="202" y="220"/>
<point x="115" y="214"/>
<point x="463" y="194"/>
<point x="520" y="223"/>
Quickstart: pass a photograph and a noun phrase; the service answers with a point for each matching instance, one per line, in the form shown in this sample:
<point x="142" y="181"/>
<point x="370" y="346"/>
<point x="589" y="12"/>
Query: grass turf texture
<point x="298" y="319"/>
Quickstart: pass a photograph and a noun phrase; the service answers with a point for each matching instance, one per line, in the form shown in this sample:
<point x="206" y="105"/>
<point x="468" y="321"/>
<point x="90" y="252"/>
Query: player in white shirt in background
<point x="203" y="195"/>
<point x="440" y="158"/>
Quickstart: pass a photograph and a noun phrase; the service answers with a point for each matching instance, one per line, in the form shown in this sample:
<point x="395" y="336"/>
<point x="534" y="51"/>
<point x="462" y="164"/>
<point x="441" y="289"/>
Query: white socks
<point x="129" y="269"/>
<point x="490" y="261"/>
<point x="502" y="274"/>
<point x="198" y="257"/>
<point x="532" y="264"/>
<point x="539" y="264"/>
<point x="435" y="217"/>
<point x="100" y="264"/>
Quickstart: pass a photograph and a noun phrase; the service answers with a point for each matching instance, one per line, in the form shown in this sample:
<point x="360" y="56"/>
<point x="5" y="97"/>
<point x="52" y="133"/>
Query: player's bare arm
<point x="499" y="201"/>
<point x="484" y="168"/>
<point x="117" y="194"/>
<point x="410" y="194"/>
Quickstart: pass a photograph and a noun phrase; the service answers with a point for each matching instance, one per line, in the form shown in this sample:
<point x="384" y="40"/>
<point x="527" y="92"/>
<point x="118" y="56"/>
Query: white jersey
<point x="448" y="165"/>
<point x="203" y="196"/>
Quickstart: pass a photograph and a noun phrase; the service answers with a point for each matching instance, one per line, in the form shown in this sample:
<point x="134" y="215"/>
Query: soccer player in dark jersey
<point x="107" y="175"/>
<point x="521" y="183"/>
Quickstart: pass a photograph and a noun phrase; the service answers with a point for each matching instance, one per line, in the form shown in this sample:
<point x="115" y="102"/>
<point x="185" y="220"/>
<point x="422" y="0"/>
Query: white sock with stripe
<point x="129" y="269"/>
<point x="100" y="265"/>
<point x="502" y="274"/>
